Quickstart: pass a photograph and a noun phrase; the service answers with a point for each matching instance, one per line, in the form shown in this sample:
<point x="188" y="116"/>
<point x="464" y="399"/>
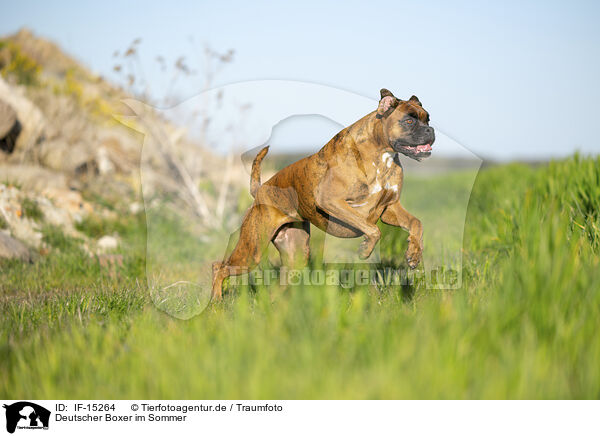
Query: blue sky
<point x="509" y="80"/>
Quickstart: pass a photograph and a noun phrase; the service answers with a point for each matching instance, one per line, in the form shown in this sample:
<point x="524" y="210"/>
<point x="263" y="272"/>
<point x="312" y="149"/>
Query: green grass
<point x="523" y="324"/>
<point x="31" y="209"/>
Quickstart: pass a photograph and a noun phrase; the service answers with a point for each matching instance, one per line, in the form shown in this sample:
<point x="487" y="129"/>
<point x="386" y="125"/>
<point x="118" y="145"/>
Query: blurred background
<point x="126" y="133"/>
<point x="514" y="80"/>
<point x="203" y="85"/>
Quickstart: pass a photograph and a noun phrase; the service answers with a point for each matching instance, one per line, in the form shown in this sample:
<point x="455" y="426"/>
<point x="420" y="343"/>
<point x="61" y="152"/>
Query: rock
<point x="135" y="208"/>
<point x="107" y="243"/>
<point x="59" y="208"/>
<point x="53" y="215"/>
<point x="8" y="118"/>
<point x="50" y="184"/>
<point x="26" y="230"/>
<point x="11" y="248"/>
<point x="121" y="151"/>
<point x="33" y="178"/>
<point x="20" y="226"/>
<point x="105" y="165"/>
<point x="65" y="157"/>
<point x="31" y="119"/>
<point x="10" y="127"/>
<point x="70" y="201"/>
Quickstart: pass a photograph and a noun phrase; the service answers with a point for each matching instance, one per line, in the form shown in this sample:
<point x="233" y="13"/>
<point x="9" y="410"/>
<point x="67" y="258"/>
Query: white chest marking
<point x="391" y="187"/>
<point x="387" y="159"/>
<point x="376" y="188"/>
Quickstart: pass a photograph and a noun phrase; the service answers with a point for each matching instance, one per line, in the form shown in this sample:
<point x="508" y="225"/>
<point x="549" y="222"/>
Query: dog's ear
<point x="385" y="92"/>
<point x="415" y="100"/>
<point x="387" y="103"/>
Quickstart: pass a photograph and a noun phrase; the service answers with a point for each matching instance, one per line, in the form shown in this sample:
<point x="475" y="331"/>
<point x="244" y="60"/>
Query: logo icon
<point x="26" y="415"/>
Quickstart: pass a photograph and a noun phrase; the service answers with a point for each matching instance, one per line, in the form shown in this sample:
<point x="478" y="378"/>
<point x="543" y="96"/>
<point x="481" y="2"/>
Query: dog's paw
<point x="412" y="263"/>
<point x="414" y="255"/>
<point x="368" y="244"/>
<point x="365" y="249"/>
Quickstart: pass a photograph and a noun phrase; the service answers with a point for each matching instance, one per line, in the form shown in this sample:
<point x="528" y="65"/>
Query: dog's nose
<point x="429" y="131"/>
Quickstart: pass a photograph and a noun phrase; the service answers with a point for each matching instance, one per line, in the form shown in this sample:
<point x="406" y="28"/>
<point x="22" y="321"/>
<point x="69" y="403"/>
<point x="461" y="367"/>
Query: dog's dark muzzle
<point x="418" y="147"/>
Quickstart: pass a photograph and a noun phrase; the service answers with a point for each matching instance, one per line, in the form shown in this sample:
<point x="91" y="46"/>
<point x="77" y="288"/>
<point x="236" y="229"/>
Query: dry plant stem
<point x="168" y="152"/>
<point x="225" y="186"/>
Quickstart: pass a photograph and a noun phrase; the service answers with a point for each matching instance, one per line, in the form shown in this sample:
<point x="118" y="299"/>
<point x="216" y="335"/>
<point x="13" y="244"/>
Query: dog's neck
<point x="362" y="134"/>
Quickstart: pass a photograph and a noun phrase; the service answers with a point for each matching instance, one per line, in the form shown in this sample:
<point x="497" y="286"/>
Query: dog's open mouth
<point x="417" y="151"/>
<point x="425" y="148"/>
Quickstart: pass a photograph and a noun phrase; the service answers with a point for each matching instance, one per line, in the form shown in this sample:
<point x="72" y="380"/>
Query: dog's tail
<point x="255" y="174"/>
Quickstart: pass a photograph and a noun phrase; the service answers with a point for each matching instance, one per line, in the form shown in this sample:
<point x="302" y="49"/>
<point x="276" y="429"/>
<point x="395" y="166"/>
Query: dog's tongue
<point x="423" y="148"/>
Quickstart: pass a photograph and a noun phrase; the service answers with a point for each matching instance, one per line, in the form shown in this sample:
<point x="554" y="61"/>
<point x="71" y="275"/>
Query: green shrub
<point x="15" y="63"/>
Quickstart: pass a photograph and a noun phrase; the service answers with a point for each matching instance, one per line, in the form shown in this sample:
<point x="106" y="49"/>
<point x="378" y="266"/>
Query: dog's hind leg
<point x="292" y="242"/>
<point x="258" y="228"/>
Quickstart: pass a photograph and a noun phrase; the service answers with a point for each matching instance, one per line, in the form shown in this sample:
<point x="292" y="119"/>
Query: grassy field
<point x="524" y="324"/>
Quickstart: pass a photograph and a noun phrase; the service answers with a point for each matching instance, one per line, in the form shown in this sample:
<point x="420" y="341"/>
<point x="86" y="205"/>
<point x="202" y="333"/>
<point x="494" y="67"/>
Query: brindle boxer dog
<point x="344" y="189"/>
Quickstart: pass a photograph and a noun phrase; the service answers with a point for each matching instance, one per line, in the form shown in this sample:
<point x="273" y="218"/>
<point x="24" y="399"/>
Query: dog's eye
<point x="410" y="121"/>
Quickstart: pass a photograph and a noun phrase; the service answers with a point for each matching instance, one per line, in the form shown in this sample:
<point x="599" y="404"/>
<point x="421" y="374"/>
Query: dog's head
<point x="405" y="125"/>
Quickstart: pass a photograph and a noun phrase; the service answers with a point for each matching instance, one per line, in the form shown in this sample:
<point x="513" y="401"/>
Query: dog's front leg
<point x="396" y="215"/>
<point x="337" y="207"/>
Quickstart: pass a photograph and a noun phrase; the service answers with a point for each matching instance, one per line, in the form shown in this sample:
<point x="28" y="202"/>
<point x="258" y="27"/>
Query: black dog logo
<point x="28" y="415"/>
